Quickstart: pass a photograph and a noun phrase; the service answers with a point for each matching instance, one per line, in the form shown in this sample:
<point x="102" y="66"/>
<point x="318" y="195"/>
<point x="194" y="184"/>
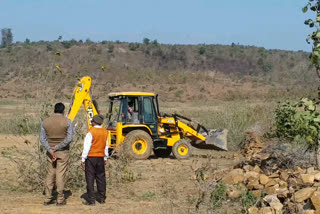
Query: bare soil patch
<point x="161" y="185"/>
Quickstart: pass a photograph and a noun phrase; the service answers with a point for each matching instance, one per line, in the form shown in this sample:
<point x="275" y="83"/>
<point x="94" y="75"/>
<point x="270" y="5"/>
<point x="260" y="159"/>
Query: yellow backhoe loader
<point x="134" y="121"/>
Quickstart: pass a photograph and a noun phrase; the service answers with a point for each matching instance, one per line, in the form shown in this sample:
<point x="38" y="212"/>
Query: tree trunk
<point x="317" y="155"/>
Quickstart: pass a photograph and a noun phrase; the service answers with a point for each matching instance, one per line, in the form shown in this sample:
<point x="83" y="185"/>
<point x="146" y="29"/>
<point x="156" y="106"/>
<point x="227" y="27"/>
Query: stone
<point x="254" y="184"/>
<point x="284" y="175"/>
<point x="247" y="168"/>
<point x="293" y="182"/>
<point x="315" y="199"/>
<point x="309" y="212"/>
<point x="234" y="193"/>
<point x="310" y="170"/>
<point x="317" y="176"/>
<point x="274" y="202"/>
<point x="267" y="210"/>
<point x="303" y="194"/>
<point x="262" y="156"/>
<point x="315" y="171"/>
<point x="298" y="170"/>
<point x="256" y="193"/>
<point x="291" y="190"/>
<point x="253" y="210"/>
<point x="272" y="182"/>
<point x="274" y="175"/>
<point x="307" y="178"/>
<point x="282" y="192"/>
<point x="283" y="183"/>
<point x="264" y="179"/>
<point x="251" y="174"/>
<point x="256" y="169"/>
<point x="272" y="190"/>
<point x="234" y="177"/>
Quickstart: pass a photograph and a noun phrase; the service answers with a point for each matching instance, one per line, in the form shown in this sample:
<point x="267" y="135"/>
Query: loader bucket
<point x="216" y="139"/>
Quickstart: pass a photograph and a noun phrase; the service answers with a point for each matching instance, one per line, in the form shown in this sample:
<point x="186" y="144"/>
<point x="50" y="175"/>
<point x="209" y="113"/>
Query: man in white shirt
<point x="94" y="158"/>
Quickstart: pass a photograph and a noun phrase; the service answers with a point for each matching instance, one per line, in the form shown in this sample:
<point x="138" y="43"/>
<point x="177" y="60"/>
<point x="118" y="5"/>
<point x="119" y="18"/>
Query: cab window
<point x="149" y="115"/>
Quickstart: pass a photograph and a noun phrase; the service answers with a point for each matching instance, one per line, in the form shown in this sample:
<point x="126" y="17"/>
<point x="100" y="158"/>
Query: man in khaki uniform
<point x="56" y="136"/>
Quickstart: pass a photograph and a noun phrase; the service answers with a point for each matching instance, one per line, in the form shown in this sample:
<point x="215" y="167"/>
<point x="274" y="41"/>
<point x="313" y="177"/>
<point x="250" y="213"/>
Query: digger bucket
<point x="216" y="139"/>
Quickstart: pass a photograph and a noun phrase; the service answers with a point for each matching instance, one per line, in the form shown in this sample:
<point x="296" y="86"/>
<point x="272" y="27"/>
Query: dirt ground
<point x="163" y="186"/>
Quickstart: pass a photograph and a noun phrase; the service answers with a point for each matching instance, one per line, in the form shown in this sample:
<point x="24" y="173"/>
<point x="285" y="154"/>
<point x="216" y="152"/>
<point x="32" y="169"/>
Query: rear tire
<point x="163" y="153"/>
<point x="138" y="145"/>
<point x="182" y="149"/>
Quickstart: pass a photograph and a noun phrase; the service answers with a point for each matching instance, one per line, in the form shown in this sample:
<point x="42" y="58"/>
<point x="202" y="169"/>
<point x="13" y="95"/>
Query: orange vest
<point x="99" y="139"/>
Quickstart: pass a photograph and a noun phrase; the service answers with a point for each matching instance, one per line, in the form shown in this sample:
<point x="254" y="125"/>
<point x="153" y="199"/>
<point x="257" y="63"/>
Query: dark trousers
<point x="94" y="170"/>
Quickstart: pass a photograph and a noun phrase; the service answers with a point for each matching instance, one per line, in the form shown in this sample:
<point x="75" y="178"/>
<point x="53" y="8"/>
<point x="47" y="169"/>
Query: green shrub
<point x="110" y="48"/>
<point x="69" y="44"/>
<point x="298" y="121"/>
<point x="148" y="195"/>
<point x="49" y="47"/>
<point x="146" y="41"/>
<point x="248" y="199"/>
<point x="202" y="50"/>
<point x="27" y="42"/>
<point x="155" y="43"/>
<point x="179" y="93"/>
<point x="218" y="194"/>
<point x="133" y="46"/>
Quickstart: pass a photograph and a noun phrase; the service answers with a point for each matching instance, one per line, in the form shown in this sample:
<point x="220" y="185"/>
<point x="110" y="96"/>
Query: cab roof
<point x="116" y="94"/>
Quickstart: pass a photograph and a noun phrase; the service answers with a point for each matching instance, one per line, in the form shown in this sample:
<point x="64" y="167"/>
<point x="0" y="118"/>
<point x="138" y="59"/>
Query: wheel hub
<point x="139" y="146"/>
<point x="183" y="150"/>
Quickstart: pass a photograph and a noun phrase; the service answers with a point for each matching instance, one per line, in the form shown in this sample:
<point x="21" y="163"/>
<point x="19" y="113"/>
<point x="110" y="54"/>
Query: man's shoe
<point x="49" y="203"/>
<point x="88" y="203"/>
<point x="62" y="203"/>
<point x="101" y="201"/>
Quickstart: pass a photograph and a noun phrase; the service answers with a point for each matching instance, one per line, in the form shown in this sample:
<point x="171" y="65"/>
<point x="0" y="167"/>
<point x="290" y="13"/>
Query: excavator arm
<point x="81" y="96"/>
<point x="200" y="136"/>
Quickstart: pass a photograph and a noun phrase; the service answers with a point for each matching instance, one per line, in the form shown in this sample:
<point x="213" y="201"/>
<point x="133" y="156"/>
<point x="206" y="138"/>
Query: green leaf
<point x="305" y="9"/>
<point x="309" y="139"/>
<point x="315" y="35"/>
<point x="308" y="21"/>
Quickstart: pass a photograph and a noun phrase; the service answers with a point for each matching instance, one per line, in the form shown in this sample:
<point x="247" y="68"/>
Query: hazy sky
<point x="273" y="24"/>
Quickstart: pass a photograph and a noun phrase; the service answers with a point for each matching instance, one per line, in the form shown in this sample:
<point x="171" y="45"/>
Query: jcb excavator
<point x="134" y="121"/>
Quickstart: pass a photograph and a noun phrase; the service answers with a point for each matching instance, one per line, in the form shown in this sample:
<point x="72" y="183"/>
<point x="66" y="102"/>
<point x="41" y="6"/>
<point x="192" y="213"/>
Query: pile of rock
<point x="253" y="147"/>
<point x="297" y="189"/>
<point x="277" y="190"/>
<point x="294" y="190"/>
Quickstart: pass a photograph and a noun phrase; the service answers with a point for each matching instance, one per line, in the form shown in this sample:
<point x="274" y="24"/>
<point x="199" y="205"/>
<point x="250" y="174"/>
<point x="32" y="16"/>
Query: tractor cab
<point x="132" y="110"/>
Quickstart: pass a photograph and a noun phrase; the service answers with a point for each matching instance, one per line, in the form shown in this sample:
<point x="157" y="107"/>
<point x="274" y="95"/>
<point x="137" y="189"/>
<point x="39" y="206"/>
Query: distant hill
<point x="177" y="72"/>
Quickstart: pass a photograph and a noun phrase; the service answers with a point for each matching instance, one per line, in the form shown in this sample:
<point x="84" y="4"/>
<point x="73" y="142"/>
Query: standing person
<point x="55" y="136"/>
<point x="94" y="158"/>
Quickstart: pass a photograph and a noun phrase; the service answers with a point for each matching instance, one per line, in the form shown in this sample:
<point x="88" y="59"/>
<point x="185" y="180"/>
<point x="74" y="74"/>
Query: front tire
<point x="138" y="145"/>
<point x="182" y="149"/>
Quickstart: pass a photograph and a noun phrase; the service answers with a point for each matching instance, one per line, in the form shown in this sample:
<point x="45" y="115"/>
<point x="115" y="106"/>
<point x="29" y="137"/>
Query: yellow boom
<point x="81" y="96"/>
